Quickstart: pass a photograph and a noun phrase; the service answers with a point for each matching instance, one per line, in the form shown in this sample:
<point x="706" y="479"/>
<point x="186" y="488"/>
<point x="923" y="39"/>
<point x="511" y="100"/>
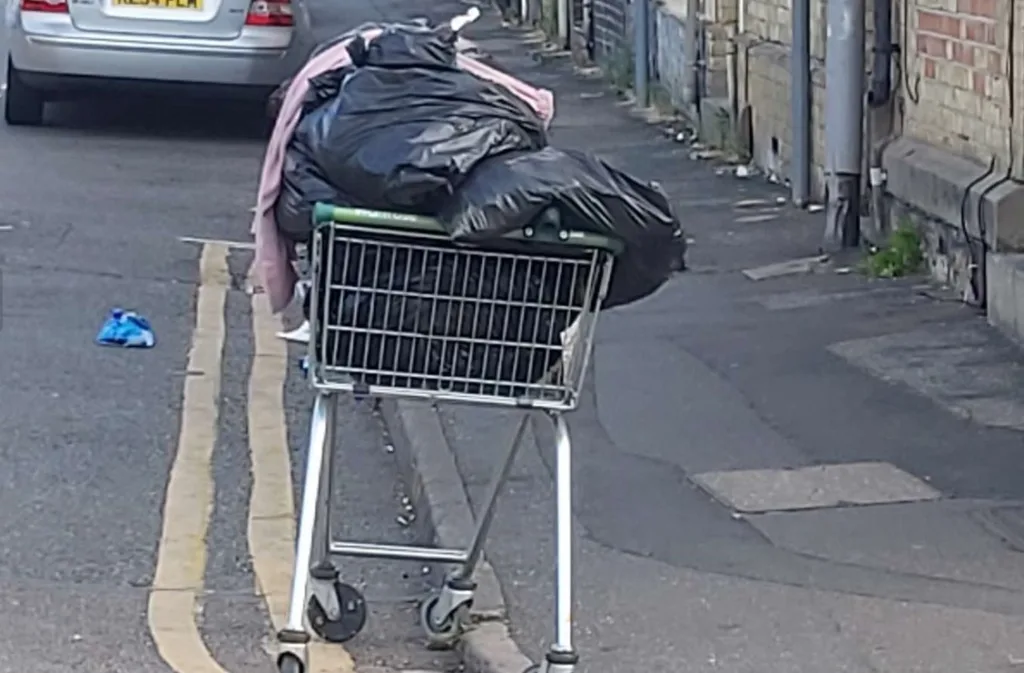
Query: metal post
<point x="294" y="625"/>
<point x="844" y="113"/>
<point x="563" y="24"/>
<point x="476" y="547"/>
<point x="691" y="53"/>
<point x="641" y="24"/>
<point x="563" y="536"/>
<point x="881" y="112"/>
<point x="732" y="73"/>
<point x="800" y="102"/>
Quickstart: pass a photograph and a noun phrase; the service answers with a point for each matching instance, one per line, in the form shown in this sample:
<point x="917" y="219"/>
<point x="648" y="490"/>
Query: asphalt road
<point x="127" y="539"/>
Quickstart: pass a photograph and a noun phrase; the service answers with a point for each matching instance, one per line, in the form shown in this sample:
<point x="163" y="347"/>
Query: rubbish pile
<point x="408" y="124"/>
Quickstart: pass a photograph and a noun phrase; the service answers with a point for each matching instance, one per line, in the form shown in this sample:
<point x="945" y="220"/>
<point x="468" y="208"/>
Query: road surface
<point x="146" y="496"/>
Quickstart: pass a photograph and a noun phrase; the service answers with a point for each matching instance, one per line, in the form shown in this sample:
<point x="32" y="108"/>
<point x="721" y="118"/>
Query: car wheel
<point x="23" y="105"/>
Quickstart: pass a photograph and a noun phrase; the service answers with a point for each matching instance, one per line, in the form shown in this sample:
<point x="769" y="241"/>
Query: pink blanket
<point x="274" y="254"/>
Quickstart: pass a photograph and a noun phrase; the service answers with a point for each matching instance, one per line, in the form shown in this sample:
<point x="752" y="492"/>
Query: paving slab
<point x="969" y="369"/>
<point x="774" y="490"/>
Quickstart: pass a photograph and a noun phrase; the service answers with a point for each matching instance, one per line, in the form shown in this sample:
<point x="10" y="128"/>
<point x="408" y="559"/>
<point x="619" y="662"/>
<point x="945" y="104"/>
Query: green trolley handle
<point x="326" y="213"/>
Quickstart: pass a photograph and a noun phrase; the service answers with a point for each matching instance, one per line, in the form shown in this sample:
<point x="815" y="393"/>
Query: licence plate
<point x="161" y="4"/>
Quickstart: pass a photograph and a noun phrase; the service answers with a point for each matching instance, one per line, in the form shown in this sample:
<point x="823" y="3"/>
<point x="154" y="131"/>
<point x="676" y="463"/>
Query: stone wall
<point x="612" y="41"/>
<point x="764" y="86"/>
<point x="949" y="162"/>
<point x="952" y="81"/>
<point x="672" y="69"/>
<point x="765" y="91"/>
<point x="955" y="155"/>
<point x="671" y="33"/>
<point x="953" y="159"/>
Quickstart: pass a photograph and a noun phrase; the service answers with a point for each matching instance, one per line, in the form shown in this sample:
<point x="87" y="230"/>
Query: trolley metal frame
<point x="319" y="601"/>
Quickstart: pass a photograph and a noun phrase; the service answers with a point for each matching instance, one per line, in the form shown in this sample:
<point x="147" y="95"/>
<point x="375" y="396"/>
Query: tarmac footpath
<point x="780" y="465"/>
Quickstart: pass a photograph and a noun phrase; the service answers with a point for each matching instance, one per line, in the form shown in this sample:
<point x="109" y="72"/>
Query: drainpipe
<point x="880" y="112"/>
<point x="563" y="23"/>
<point x="880" y="90"/>
<point x="691" y="53"/>
<point x="844" y="114"/>
<point x="641" y="55"/>
<point x="741" y="30"/>
<point x="800" y="103"/>
<point x="732" y="73"/>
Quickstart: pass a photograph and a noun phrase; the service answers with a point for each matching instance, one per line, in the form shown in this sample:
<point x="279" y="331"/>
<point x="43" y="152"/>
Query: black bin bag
<point x="399" y="129"/>
<point x="511" y="191"/>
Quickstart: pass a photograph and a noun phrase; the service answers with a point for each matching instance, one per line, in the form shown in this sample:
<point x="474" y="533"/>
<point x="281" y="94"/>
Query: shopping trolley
<point x="399" y="310"/>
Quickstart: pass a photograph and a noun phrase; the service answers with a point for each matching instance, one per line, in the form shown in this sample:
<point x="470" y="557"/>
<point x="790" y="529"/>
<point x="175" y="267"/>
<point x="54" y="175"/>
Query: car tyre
<point x="23" y="105"/>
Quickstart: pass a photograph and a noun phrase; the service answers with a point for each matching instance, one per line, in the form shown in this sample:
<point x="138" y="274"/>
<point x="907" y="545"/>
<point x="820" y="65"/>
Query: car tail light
<point x="52" y="6"/>
<point x="269" y="13"/>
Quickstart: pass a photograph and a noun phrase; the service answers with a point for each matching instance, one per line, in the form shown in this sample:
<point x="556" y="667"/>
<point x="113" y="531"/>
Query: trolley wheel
<point x="350" y="621"/>
<point x="289" y="664"/>
<point x="442" y="635"/>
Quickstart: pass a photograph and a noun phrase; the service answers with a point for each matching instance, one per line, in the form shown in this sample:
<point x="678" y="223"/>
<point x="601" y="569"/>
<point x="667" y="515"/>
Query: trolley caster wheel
<point x="289" y="664"/>
<point x="350" y="621"/>
<point x="445" y="634"/>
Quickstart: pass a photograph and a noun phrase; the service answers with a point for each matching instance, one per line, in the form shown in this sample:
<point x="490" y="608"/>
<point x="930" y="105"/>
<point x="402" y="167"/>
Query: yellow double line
<point x="179" y="581"/>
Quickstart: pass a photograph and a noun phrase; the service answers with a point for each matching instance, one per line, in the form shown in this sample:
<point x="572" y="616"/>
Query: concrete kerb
<point x="439" y="495"/>
<point x="436" y="490"/>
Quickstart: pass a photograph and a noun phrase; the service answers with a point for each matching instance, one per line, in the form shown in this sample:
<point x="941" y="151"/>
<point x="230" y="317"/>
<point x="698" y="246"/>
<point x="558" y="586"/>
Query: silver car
<point x="223" y="47"/>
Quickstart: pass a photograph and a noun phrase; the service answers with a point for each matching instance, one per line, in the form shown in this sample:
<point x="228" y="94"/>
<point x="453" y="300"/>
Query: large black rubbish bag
<point x="402" y="129"/>
<point x="429" y="316"/>
<point x="302" y="182"/>
<point x="511" y="191"/>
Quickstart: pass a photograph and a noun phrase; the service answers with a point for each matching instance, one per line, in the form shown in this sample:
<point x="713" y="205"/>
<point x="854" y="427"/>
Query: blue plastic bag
<point x="127" y="329"/>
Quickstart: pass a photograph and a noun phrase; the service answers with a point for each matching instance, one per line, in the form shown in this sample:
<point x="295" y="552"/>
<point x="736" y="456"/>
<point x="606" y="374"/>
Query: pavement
<point x="781" y="466"/>
<point x="147" y="496"/>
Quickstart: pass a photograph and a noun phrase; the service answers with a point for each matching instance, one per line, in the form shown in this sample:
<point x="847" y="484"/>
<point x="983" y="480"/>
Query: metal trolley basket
<point x="399" y="310"/>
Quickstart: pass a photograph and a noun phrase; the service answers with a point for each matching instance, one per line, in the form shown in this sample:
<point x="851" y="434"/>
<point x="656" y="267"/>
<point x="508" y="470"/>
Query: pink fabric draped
<point x="274" y="254"/>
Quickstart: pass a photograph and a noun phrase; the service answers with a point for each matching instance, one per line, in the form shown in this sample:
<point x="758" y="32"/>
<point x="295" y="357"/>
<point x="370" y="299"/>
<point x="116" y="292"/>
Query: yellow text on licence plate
<point x="161" y="4"/>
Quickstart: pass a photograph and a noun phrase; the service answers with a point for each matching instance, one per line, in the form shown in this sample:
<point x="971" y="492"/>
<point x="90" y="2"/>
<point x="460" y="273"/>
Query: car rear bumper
<point x="50" y="49"/>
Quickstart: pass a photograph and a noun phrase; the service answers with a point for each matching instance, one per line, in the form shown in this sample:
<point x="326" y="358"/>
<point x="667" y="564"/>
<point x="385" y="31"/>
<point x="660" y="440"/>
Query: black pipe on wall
<point x="880" y="89"/>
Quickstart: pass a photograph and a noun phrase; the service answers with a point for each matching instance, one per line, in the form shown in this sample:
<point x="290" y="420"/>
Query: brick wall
<point x="953" y="87"/>
<point x="957" y="93"/>
<point x="767" y="93"/>
<point x="671" y="31"/>
<point x="764" y="71"/>
<point x="719" y="16"/>
<point x="953" y="79"/>
<point x="673" y="70"/>
<point x="611" y="33"/>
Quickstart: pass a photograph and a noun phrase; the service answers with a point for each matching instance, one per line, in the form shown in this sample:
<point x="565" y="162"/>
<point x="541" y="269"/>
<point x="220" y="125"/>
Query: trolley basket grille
<point x="397" y="314"/>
